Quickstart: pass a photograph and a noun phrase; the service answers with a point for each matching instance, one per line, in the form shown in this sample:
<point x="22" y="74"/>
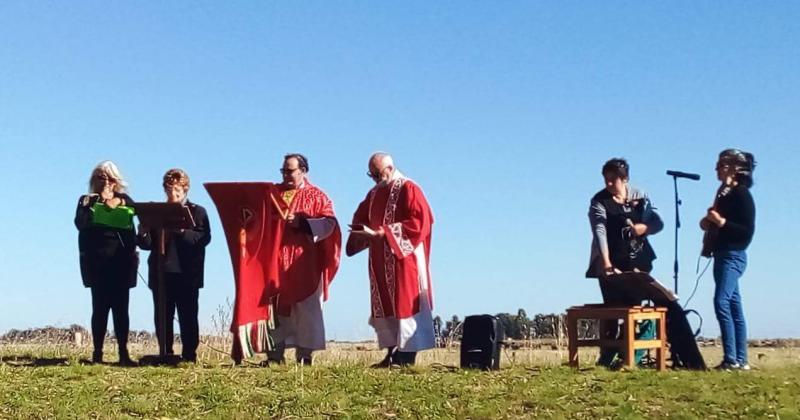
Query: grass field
<point x="50" y="382"/>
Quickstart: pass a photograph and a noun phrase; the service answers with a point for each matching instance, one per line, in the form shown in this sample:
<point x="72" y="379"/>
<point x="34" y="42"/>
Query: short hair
<point x="111" y="170"/>
<point x="618" y="167"/>
<point x="383" y="158"/>
<point x="302" y="162"/>
<point x="743" y="164"/>
<point x="176" y="176"/>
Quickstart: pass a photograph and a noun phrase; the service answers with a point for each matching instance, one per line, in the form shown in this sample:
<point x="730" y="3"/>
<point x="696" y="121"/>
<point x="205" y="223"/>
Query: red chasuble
<point x="252" y="230"/>
<point x="400" y="281"/>
<point x="305" y="263"/>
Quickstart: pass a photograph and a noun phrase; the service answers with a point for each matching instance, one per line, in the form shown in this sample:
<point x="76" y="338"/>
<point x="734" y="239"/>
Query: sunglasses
<point x="287" y="171"/>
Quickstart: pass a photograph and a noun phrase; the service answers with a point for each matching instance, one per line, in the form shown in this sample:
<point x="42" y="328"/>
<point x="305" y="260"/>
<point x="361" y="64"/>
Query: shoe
<point x="383" y="364"/>
<point x="125" y="360"/>
<point x="305" y="361"/>
<point x="97" y="358"/>
<point x="191" y="358"/>
<point x="726" y="366"/>
<point x="404" y="358"/>
<point x="386" y="362"/>
<point x="745" y="366"/>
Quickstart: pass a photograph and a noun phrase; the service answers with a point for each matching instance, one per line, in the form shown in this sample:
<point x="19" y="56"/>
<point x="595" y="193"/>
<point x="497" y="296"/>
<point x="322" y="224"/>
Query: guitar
<point x="712" y="231"/>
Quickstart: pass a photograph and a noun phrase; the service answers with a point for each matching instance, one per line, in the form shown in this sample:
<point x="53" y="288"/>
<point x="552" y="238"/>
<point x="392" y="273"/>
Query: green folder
<point x="120" y="217"/>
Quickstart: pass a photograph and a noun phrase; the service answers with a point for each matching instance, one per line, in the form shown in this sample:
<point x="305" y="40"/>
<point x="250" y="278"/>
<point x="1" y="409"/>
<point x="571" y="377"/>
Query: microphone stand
<point x="678" y="203"/>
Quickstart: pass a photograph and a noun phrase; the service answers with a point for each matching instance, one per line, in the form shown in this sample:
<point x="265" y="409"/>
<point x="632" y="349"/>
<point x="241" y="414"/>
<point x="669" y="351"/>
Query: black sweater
<point x="185" y="251"/>
<point x="102" y="241"/>
<point x="106" y="254"/>
<point x="739" y="210"/>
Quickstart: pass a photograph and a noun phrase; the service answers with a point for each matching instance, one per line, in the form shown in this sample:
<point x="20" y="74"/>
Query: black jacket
<point x="185" y="251"/>
<point x="106" y="254"/>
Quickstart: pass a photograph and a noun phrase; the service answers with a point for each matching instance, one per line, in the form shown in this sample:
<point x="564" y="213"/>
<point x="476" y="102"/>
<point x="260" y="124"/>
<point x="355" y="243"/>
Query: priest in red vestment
<point x="308" y="260"/>
<point x="394" y="222"/>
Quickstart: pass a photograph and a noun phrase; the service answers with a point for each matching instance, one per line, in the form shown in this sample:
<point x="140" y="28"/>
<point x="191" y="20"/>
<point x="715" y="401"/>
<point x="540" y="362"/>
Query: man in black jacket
<point x="183" y="266"/>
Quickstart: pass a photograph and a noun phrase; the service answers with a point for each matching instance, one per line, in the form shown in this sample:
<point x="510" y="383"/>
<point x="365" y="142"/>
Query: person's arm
<point x="597" y="219"/>
<point x="740" y="226"/>
<point x="83" y="213"/>
<point x="355" y="241"/>
<point x="200" y="235"/>
<point x="144" y="238"/>
<point x="651" y="218"/>
<point x="127" y="201"/>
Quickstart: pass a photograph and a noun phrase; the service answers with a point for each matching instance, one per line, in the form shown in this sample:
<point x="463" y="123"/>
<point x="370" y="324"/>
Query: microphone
<point x="679" y="174"/>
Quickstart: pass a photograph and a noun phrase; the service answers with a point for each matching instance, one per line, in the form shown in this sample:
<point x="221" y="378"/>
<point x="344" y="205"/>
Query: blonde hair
<point x="111" y="170"/>
<point x="176" y="176"/>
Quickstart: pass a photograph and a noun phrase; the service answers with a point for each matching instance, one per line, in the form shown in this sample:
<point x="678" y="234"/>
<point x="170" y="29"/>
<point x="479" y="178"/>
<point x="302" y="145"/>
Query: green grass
<point x="350" y="389"/>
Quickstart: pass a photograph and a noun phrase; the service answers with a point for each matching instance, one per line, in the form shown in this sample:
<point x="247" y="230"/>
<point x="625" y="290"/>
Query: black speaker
<point x="481" y="342"/>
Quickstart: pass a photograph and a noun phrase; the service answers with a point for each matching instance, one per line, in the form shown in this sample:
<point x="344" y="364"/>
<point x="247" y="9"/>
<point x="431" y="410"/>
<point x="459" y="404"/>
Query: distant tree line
<point x="516" y="326"/>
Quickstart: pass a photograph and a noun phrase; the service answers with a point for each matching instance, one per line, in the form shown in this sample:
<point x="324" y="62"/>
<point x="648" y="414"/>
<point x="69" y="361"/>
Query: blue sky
<point x="503" y="111"/>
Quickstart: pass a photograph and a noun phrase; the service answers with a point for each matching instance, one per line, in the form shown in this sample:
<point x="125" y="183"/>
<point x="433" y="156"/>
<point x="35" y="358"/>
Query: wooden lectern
<point x="163" y="217"/>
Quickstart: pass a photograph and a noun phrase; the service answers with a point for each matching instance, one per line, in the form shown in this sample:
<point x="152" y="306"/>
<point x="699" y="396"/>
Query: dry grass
<point x="38" y="381"/>
<point x="214" y="352"/>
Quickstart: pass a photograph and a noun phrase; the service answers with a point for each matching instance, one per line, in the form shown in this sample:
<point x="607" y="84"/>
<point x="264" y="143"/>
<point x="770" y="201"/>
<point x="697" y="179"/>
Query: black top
<point x="739" y="210"/>
<point x="99" y="241"/>
<point x="185" y="251"/>
<point x="627" y="251"/>
<point x="107" y="255"/>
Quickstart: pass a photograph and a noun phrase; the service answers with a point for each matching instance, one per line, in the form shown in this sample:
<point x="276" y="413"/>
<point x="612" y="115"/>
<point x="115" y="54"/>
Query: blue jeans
<point x="728" y="268"/>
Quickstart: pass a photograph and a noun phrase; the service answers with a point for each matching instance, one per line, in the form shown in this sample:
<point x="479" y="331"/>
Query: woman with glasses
<point x="108" y="259"/>
<point x="621" y="218"/>
<point x="729" y="226"/>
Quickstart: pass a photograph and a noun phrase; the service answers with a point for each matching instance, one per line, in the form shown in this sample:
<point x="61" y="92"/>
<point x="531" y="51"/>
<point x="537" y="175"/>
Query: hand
<point x="292" y="220"/>
<point x="639" y="229"/>
<point x="365" y="231"/>
<point x="610" y="270"/>
<point x="714" y="217"/>
<point x="705" y="224"/>
<point x="113" y="202"/>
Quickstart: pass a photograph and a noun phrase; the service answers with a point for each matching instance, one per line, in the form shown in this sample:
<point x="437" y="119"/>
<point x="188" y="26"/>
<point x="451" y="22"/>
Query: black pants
<point x="183" y="296"/>
<point x="114" y="296"/>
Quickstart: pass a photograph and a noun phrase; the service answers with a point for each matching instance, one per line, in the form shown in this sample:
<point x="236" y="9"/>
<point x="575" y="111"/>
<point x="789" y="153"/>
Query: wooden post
<point x="572" y="332"/>
<point x="662" y="334"/>
<point x="162" y="293"/>
<point x="629" y="338"/>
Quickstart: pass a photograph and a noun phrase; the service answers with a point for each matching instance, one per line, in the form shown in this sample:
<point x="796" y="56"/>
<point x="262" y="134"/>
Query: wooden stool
<point x="628" y="344"/>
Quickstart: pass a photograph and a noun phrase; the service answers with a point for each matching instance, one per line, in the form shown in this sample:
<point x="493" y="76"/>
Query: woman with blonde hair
<point x="108" y="259"/>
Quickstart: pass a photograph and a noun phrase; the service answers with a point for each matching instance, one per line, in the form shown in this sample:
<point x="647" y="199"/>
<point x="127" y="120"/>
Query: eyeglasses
<point x="287" y="171"/>
<point x="373" y="176"/>
<point x="721" y="166"/>
<point x="102" y="177"/>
